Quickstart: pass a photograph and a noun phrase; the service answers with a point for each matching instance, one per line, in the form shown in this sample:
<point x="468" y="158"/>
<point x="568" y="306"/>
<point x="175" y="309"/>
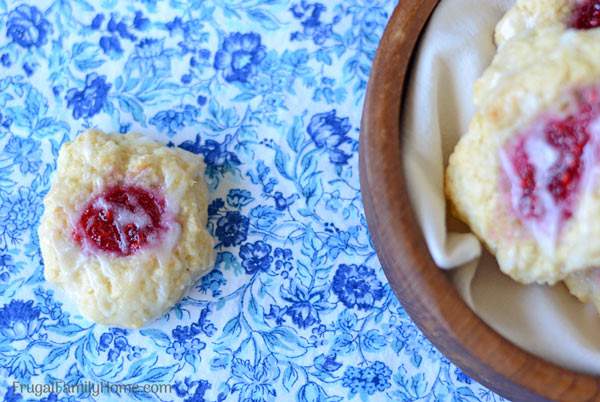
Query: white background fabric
<point x="547" y="321"/>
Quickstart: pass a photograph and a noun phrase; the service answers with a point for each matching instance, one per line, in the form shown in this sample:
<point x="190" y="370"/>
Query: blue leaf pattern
<point x="269" y="92"/>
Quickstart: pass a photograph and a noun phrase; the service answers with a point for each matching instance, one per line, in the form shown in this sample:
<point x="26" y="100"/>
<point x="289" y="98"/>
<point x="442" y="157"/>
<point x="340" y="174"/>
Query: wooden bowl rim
<point x="424" y="290"/>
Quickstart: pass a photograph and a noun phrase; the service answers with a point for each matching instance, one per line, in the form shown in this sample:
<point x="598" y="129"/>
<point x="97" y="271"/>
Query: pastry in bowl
<point x="123" y="230"/>
<point x="585" y="286"/>
<point x="538" y="15"/>
<point x="525" y="176"/>
<point x="528" y="15"/>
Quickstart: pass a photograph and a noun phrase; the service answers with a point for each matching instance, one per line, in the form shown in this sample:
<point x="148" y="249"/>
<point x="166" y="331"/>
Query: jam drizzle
<point x="121" y="220"/>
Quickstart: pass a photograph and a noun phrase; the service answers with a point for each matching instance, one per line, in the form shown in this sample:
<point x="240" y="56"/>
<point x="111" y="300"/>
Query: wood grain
<point x="423" y="289"/>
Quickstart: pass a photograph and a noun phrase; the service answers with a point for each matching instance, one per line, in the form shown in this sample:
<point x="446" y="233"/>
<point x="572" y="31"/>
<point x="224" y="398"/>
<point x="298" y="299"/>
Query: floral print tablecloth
<point x="269" y="92"/>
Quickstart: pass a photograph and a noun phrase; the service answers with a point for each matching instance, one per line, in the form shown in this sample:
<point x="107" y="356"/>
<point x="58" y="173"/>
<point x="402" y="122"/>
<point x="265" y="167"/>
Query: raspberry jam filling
<point x="121" y="220"/>
<point x="548" y="165"/>
<point x="585" y="15"/>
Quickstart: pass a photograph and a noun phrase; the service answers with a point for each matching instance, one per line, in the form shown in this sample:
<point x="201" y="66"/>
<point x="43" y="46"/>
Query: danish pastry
<point x="123" y="230"/>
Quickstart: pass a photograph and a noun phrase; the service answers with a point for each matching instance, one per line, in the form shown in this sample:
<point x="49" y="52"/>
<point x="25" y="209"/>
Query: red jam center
<point x="585" y="15"/>
<point x="547" y="164"/>
<point x="121" y="220"/>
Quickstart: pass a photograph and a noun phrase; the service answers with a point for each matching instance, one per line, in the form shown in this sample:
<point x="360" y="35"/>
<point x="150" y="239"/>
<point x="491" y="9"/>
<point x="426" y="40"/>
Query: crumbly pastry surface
<point x="530" y="15"/>
<point x="528" y="194"/>
<point x="585" y="286"/>
<point x="124" y="227"/>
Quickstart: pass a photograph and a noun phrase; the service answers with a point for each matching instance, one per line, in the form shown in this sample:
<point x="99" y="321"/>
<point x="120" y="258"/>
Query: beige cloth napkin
<point x="546" y="321"/>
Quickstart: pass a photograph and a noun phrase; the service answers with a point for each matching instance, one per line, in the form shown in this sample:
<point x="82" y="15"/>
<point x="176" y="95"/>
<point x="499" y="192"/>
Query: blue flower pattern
<point x="268" y="92"/>
<point x="88" y="101"/>
<point x="357" y="286"/>
<point x="27" y="26"/>
<point x="239" y="56"/>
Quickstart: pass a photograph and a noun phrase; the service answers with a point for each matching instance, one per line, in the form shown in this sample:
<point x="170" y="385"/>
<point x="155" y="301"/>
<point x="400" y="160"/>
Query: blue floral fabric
<point x="269" y="92"/>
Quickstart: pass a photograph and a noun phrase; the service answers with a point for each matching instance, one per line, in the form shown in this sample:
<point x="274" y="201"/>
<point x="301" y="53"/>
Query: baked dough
<point x="532" y="15"/>
<point x="528" y="16"/>
<point x="115" y="279"/>
<point x="534" y="82"/>
<point x="535" y="15"/>
<point x="585" y="286"/>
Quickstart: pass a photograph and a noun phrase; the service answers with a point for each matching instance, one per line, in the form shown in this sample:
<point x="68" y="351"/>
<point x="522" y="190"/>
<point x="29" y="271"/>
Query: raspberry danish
<point x="123" y="231"/>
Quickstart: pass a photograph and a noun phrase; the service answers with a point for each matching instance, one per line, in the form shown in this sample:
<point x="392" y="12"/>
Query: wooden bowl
<point x="424" y="290"/>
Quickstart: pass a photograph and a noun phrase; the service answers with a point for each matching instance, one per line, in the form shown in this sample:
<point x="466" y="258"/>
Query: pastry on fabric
<point x="525" y="176"/>
<point x="124" y="227"/>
